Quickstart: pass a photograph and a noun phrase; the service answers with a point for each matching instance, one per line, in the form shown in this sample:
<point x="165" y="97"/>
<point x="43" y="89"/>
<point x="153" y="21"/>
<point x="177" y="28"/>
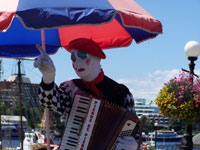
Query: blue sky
<point x="142" y="67"/>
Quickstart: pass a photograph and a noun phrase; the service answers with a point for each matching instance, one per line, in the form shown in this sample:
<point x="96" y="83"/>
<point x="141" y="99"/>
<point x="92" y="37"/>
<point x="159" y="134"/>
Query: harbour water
<point x="159" y="145"/>
<point x="14" y="143"/>
<point x="11" y="143"/>
<point x="171" y="146"/>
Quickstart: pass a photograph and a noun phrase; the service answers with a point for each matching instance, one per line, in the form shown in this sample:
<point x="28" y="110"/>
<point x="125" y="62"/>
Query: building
<point x="7" y="120"/>
<point x="142" y="108"/>
<point x="9" y="91"/>
<point x="10" y="126"/>
<point x="151" y="112"/>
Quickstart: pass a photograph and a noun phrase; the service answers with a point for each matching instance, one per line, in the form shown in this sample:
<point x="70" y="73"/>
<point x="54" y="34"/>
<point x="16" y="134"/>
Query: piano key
<point x="75" y="135"/>
<point x="79" y="117"/>
<point x="78" y="120"/>
<point x="73" y="125"/>
<point x="81" y="111"/>
<point x="67" y="145"/>
<point x="83" y="102"/>
<point x="78" y="114"/>
<point x="71" y="146"/>
<point x="73" y="132"/>
<point x="66" y="139"/>
<point x="85" y="98"/>
<point x="68" y="132"/>
<point x="84" y="108"/>
<point x="73" y="138"/>
<point x="75" y="129"/>
<point x="71" y="141"/>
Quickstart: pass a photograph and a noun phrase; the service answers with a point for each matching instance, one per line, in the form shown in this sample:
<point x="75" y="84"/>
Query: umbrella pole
<point x="46" y="109"/>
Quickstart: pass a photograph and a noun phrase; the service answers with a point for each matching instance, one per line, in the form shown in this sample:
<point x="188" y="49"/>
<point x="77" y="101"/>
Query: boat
<point x="165" y="136"/>
<point x="35" y="138"/>
<point x="10" y="132"/>
<point x="32" y="138"/>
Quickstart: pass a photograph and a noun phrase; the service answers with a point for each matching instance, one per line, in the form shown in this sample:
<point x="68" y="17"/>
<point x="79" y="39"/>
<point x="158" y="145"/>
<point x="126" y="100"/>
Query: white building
<point x="151" y="112"/>
<point x="142" y="108"/>
<point x="9" y="119"/>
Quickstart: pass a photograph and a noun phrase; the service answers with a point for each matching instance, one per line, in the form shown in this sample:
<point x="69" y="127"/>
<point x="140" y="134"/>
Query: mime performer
<point x="85" y="56"/>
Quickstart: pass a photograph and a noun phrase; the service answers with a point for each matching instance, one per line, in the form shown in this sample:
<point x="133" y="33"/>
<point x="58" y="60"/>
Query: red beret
<point x="88" y="46"/>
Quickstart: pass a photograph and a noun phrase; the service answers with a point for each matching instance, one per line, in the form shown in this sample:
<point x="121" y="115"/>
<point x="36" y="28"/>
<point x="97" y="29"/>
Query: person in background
<point x="86" y="56"/>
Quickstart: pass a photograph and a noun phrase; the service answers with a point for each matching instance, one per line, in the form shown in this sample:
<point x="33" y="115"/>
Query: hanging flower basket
<point x="180" y="98"/>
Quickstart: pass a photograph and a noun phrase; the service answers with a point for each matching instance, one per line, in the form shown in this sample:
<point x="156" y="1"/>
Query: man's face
<point x="83" y="63"/>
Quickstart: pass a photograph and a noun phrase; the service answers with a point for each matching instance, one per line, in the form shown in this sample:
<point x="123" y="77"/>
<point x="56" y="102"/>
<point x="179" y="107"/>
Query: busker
<point x="86" y="56"/>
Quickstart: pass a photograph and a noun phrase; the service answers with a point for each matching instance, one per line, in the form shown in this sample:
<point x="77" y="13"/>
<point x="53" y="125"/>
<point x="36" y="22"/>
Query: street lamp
<point x="192" y="50"/>
<point x="155" y="128"/>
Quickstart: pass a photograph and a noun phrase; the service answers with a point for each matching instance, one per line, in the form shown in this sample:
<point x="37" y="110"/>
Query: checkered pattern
<point x="59" y="98"/>
<point x="129" y="102"/>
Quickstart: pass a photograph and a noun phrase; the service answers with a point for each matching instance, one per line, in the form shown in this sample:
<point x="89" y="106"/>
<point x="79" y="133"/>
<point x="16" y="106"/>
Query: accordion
<point x="95" y="124"/>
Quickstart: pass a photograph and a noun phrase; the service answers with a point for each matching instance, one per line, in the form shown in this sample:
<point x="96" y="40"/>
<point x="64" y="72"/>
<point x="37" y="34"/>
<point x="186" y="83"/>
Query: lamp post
<point x="155" y="128"/>
<point x="192" y="50"/>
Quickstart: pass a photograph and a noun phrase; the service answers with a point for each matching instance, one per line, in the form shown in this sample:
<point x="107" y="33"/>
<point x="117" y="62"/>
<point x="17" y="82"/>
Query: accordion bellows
<point x="95" y="124"/>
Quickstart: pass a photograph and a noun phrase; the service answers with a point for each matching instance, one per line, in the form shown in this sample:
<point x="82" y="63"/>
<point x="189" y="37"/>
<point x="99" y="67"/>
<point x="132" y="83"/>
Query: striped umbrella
<point x="111" y="23"/>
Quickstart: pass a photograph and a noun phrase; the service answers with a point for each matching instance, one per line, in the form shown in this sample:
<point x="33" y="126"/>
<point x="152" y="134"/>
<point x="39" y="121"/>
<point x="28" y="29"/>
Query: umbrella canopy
<point x="111" y="23"/>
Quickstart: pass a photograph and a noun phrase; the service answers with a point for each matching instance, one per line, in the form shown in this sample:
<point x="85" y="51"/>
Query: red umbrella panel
<point x="111" y="23"/>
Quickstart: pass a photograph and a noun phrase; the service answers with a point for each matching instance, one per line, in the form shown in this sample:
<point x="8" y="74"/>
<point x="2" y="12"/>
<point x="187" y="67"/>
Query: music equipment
<point x="95" y="124"/>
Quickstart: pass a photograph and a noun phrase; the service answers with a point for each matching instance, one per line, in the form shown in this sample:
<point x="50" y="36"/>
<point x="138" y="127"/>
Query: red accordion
<point x="95" y="124"/>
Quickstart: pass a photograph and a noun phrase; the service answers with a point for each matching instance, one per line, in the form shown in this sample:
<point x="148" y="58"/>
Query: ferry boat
<point x="165" y="135"/>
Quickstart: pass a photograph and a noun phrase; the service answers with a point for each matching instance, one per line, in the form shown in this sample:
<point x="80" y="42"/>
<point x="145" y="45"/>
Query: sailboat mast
<point x="20" y="103"/>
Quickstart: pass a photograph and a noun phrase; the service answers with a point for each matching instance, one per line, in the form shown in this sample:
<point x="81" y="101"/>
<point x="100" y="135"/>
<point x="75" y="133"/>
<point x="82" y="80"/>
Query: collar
<point x="97" y="80"/>
<point x="92" y="84"/>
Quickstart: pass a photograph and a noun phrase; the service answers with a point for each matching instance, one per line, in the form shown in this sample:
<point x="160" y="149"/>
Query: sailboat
<point x="18" y="91"/>
<point x="25" y="91"/>
<point x="37" y="138"/>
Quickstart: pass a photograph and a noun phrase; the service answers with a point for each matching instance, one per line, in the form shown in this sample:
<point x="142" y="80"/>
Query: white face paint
<point x="86" y="66"/>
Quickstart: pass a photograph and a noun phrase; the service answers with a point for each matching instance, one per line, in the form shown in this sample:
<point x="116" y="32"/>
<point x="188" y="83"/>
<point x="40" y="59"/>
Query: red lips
<point x="81" y="69"/>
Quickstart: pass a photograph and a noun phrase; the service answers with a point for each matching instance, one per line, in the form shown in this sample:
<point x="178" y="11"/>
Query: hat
<point x="88" y="46"/>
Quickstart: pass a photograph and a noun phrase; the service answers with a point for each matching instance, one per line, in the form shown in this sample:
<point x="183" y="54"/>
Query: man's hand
<point x="126" y="143"/>
<point x="45" y="65"/>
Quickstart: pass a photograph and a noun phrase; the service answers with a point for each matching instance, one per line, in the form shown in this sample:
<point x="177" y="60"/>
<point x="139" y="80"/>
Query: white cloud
<point x="150" y="85"/>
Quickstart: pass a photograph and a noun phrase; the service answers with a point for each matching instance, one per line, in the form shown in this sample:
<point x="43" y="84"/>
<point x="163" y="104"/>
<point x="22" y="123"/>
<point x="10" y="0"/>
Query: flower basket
<point x="180" y="98"/>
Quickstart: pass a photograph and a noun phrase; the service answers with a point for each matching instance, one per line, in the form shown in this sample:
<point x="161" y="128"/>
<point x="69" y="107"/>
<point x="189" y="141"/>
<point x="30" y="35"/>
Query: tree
<point x="148" y="126"/>
<point x="176" y="124"/>
<point x="33" y="115"/>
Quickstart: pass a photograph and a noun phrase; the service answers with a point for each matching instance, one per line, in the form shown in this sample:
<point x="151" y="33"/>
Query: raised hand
<point x="45" y="64"/>
<point x="126" y="143"/>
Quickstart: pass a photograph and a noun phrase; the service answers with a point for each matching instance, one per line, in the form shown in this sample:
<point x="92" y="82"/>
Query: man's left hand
<point x="126" y="143"/>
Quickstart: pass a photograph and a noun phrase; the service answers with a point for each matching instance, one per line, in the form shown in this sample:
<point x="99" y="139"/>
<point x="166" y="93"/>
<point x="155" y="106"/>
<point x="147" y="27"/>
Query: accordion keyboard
<point x="75" y="121"/>
<point x="95" y="124"/>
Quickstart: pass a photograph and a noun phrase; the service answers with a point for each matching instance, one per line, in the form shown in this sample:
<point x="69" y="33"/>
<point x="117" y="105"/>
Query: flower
<point x="180" y="98"/>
